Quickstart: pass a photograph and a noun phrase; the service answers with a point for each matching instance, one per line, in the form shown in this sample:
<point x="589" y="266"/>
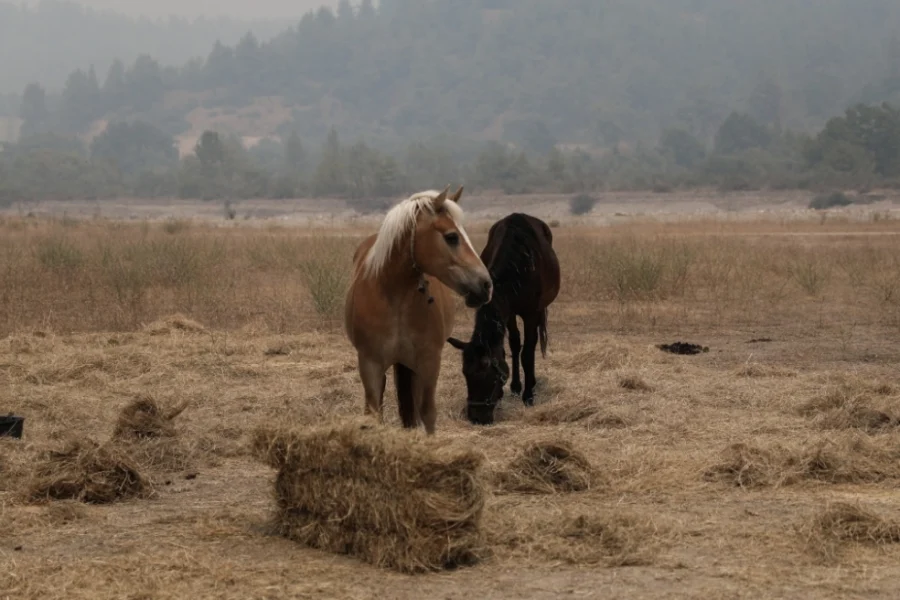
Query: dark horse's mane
<point x="513" y="258"/>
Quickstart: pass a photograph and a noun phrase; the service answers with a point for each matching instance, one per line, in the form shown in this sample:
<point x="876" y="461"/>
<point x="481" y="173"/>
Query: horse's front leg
<point x="374" y="379"/>
<point x="425" y="386"/>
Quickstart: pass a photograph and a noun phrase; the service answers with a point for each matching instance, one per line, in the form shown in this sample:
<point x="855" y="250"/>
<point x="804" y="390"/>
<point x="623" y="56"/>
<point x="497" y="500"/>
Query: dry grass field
<point x="765" y="467"/>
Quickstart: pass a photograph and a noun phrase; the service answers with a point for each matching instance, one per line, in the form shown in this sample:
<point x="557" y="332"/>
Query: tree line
<point x="859" y="149"/>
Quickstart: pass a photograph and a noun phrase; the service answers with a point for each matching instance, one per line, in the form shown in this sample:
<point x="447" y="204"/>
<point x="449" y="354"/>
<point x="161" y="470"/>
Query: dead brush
<point x="847" y="459"/>
<point x="392" y="499"/>
<point x="840" y="523"/>
<point x="548" y="467"/>
<point x="87" y="472"/>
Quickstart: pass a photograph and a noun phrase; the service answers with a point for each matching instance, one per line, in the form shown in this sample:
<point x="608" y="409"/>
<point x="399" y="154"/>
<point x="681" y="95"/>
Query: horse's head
<point x="441" y="248"/>
<point x="486" y="372"/>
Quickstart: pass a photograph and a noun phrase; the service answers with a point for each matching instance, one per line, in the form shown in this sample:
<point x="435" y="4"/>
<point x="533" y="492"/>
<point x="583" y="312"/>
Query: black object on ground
<point x="683" y="348"/>
<point x="11" y="426"/>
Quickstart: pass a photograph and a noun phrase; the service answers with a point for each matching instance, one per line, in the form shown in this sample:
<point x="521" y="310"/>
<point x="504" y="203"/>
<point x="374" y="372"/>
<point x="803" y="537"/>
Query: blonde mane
<point x="399" y="221"/>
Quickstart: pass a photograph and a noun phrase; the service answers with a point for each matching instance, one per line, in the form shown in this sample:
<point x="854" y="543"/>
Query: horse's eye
<point x="452" y="239"/>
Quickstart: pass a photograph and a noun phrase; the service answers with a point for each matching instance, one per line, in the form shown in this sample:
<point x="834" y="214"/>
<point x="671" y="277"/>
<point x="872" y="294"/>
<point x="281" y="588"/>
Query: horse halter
<point x="423" y="283"/>
<point x="499" y="382"/>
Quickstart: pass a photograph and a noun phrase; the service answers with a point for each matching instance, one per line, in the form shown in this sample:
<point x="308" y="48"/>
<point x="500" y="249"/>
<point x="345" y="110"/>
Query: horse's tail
<point x="542" y="332"/>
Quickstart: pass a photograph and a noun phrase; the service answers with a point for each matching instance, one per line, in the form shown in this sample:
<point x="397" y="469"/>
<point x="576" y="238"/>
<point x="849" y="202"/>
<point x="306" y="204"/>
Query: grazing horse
<point x="400" y="308"/>
<point x="525" y="270"/>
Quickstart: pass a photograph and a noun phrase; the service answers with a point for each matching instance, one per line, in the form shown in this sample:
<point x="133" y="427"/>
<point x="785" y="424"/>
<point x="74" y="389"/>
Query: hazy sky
<point x="210" y="8"/>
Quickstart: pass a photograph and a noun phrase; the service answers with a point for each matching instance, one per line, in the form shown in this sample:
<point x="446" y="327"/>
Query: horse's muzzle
<point x="480" y="294"/>
<point x="480" y="415"/>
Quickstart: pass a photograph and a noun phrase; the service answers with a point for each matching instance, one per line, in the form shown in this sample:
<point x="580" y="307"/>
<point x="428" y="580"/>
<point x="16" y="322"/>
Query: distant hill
<point x="47" y="42"/>
<point x="529" y="72"/>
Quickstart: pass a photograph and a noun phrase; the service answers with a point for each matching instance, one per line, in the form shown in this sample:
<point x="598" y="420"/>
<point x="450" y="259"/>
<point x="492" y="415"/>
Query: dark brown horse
<point x="523" y="265"/>
<point x="400" y="306"/>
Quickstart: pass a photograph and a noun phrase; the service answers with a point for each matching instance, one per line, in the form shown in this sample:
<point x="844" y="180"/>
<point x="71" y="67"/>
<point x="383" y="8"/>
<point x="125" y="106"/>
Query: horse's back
<point x="544" y="282"/>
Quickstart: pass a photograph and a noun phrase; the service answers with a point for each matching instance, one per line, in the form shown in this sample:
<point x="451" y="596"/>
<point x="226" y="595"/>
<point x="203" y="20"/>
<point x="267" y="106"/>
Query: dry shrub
<point x="850" y="459"/>
<point x="548" y="467"/>
<point x="173" y="323"/>
<point x="87" y="472"/>
<point x="842" y="523"/>
<point x="393" y="499"/>
<point x="612" y="539"/>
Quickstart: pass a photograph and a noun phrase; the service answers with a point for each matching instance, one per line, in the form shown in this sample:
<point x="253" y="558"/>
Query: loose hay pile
<point x="547" y="468"/>
<point x="87" y="472"/>
<point x="843" y="459"/>
<point x="842" y="523"/>
<point x="385" y="496"/>
<point x="147" y="432"/>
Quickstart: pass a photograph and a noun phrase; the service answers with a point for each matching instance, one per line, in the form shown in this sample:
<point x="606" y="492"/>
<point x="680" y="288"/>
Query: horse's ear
<point x="458" y="344"/>
<point x="455" y="197"/>
<point x="438" y="202"/>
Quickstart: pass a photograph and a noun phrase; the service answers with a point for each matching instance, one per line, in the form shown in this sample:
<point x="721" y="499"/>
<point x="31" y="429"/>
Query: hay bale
<point x="548" y="467"/>
<point x="387" y="497"/>
<point x="87" y="472"/>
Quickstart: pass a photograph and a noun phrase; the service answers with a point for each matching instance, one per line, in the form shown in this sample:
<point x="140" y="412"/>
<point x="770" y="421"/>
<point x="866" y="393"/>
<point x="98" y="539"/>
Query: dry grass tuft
<point x="850" y="406"/>
<point x="548" y="467"/>
<point x="761" y="371"/>
<point x="395" y="500"/>
<point x="87" y="472"/>
<point x="634" y="382"/>
<point x="612" y="539"/>
<point x="585" y="412"/>
<point x="842" y="523"/>
<point x="173" y="323"/>
<point x="849" y="459"/>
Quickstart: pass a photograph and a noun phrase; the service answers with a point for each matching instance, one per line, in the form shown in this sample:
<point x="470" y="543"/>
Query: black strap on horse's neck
<point x="423" y="282"/>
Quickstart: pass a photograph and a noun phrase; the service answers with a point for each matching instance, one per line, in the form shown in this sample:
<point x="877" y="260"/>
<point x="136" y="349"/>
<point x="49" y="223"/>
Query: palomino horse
<point x="520" y="256"/>
<point x="400" y="306"/>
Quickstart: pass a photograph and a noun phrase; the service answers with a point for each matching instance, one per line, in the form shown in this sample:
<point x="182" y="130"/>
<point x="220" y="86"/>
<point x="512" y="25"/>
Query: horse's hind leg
<point x="373" y="378"/>
<point x="515" y="349"/>
<point x="403" y="380"/>
<point x="531" y="341"/>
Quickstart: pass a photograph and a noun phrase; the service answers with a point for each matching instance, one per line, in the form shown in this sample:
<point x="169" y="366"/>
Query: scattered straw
<point x="612" y="539"/>
<point x="752" y="370"/>
<point x="147" y="432"/>
<point x="395" y="500"/>
<point x="848" y="459"/>
<point x="88" y="472"/>
<point x="547" y="468"/>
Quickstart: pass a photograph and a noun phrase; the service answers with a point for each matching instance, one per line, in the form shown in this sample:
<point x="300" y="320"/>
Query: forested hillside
<point x="49" y="41"/>
<point x="584" y="71"/>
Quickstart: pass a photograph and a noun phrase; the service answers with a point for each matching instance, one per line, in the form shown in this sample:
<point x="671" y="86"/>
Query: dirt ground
<point x="686" y="513"/>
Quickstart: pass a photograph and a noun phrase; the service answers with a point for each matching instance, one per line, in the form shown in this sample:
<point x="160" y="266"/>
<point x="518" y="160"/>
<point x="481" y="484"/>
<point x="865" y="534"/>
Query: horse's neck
<point x="399" y="275"/>
<point x="490" y="323"/>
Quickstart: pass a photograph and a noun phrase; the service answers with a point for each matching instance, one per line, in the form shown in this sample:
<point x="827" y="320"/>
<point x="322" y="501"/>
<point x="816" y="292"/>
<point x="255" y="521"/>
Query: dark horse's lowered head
<point x="523" y="265"/>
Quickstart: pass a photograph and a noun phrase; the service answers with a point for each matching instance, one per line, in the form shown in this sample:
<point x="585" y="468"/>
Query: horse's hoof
<point x="516" y="388"/>
<point x="528" y="399"/>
